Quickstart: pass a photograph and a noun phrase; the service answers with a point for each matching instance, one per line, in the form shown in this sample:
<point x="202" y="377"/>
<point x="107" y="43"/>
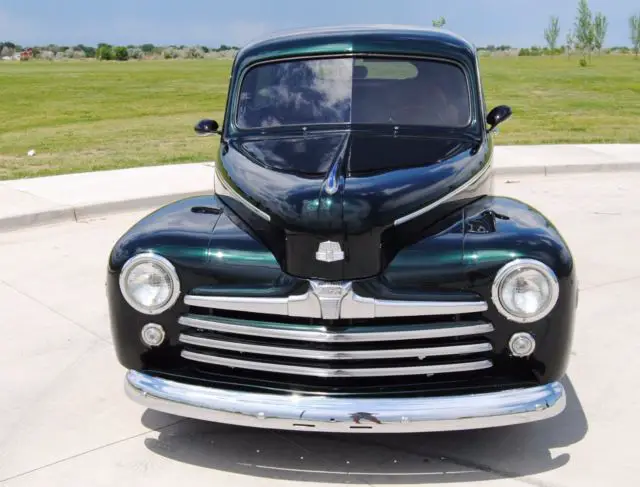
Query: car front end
<point x="352" y="271"/>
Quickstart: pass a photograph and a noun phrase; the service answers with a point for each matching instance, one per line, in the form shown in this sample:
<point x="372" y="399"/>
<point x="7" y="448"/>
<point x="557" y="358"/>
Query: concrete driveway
<point x="64" y="419"/>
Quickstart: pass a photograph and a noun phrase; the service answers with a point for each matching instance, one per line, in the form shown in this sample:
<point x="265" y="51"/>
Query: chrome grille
<point x="426" y="342"/>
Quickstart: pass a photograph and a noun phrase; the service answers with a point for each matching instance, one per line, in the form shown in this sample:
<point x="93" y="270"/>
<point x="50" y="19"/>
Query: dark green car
<point x="351" y="270"/>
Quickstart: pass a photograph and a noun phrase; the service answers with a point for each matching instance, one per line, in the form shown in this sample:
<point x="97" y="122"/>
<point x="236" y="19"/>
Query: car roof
<point x="362" y="39"/>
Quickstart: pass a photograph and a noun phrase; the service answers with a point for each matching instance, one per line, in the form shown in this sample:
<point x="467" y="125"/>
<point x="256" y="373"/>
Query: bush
<point x="540" y="51"/>
<point x="135" y="53"/>
<point x="192" y="53"/>
<point x="7" y="51"/>
<point x="120" y="53"/>
<point x="87" y="50"/>
<point x="583" y="63"/>
<point x="46" y="55"/>
<point x="171" y="53"/>
<point x="104" y="53"/>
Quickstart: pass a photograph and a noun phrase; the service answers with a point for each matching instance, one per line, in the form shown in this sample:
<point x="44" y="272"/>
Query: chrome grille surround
<point x="260" y="340"/>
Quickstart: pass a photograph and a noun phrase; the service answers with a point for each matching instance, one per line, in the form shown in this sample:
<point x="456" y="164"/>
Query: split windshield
<point x="355" y="90"/>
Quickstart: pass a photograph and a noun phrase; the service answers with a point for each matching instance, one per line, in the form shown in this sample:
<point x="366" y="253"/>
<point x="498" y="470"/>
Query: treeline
<point x="108" y="52"/>
<point x="587" y="36"/>
<point x="545" y="51"/>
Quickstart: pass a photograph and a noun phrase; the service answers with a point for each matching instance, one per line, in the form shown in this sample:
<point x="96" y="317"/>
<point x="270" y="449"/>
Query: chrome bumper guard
<point x="347" y="415"/>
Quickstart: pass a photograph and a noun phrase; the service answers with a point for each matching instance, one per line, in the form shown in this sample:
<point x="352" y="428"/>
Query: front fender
<point x="499" y="230"/>
<point x="466" y="254"/>
<point x="212" y="252"/>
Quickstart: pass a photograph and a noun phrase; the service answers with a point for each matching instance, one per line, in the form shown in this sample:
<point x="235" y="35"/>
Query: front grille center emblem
<point x="329" y="252"/>
<point x="330" y="296"/>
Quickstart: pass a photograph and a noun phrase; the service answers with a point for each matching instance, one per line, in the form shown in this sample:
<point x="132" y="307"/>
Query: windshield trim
<point x="473" y="104"/>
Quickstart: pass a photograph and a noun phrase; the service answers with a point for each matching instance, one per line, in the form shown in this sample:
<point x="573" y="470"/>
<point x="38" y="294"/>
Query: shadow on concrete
<point x="472" y="456"/>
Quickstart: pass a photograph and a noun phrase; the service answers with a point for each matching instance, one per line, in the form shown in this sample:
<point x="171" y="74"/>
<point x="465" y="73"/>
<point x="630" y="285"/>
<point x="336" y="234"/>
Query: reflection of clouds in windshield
<point x="299" y="92"/>
<point x="333" y="79"/>
<point x="317" y="91"/>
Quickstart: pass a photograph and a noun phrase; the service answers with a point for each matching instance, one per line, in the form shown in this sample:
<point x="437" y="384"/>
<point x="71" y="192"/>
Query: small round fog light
<point x="522" y="344"/>
<point x="152" y="334"/>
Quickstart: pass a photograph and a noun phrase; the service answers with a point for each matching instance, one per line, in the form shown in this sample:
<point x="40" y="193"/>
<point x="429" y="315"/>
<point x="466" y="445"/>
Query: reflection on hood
<point x="314" y="155"/>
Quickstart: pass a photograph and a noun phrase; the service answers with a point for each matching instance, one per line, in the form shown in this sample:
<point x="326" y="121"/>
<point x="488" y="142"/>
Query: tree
<point x="600" y="27"/>
<point x="120" y="53"/>
<point x="6" y="52"/>
<point x="88" y="50"/>
<point x="439" y="23"/>
<point x="147" y="48"/>
<point x="552" y="33"/>
<point x="570" y="42"/>
<point x="634" y="25"/>
<point x="135" y="53"/>
<point x="584" y="31"/>
<point x="104" y="52"/>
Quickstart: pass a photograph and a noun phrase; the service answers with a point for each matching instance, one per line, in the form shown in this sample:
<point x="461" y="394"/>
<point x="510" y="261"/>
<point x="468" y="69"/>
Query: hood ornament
<point x="332" y="184"/>
<point x="329" y="252"/>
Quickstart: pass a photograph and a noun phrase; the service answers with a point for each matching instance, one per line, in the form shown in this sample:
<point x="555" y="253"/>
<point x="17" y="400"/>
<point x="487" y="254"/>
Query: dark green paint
<point x="451" y="253"/>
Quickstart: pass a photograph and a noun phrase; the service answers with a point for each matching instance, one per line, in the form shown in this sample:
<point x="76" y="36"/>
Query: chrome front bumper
<point x="347" y="415"/>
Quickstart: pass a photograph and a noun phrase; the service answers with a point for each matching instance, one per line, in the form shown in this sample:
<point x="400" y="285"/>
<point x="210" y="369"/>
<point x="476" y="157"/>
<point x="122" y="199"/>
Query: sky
<point x="69" y="22"/>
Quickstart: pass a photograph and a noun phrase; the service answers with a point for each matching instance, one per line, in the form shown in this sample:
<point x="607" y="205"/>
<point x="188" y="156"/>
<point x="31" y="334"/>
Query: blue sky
<point x="213" y="22"/>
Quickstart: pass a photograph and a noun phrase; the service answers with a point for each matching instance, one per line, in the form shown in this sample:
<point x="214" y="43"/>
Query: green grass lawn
<point x="84" y="116"/>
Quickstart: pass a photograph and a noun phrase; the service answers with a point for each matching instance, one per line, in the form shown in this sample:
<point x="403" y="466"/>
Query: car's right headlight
<point x="525" y="290"/>
<point x="149" y="283"/>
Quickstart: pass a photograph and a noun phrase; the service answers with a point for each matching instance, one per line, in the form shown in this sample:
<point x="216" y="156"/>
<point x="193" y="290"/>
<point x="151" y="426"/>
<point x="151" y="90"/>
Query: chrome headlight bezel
<point x="162" y="263"/>
<point x="508" y="271"/>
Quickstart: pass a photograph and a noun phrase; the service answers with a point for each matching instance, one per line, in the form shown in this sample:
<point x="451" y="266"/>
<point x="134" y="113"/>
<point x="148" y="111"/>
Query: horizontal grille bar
<point x="302" y="305"/>
<point x="349" y="305"/>
<point x="336" y="355"/>
<point x="354" y="334"/>
<point x="336" y="372"/>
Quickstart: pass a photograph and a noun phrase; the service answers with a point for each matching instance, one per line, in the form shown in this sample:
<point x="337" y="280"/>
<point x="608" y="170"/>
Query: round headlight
<point x="525" y="290"/>
<point x="149" y="283"/>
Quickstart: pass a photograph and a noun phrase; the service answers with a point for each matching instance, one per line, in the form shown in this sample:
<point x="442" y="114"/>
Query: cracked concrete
<point x="65" y="421"/>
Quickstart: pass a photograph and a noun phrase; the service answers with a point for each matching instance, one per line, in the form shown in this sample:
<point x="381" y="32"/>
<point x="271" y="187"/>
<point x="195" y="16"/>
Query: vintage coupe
<point x="351" y="270"/>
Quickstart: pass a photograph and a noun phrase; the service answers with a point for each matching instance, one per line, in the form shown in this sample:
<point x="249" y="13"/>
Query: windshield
<point x="360" y="90"/>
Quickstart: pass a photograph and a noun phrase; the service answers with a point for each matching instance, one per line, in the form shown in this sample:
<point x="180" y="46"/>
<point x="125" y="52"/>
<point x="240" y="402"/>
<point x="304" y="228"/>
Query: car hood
<point x="346" y="187"/>
<point x="347" y="182"/>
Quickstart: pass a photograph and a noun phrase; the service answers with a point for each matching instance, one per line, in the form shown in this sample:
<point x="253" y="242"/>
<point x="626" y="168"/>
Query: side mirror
<point x="206" y="127"/>
<point x="498" y="115"/>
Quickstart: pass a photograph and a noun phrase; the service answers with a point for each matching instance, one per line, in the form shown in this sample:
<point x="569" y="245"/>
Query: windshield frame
<point x="473" y="127"/>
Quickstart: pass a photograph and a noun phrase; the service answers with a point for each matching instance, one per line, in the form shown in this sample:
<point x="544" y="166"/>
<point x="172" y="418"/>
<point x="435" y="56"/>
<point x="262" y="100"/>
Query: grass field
<point x="84" y="116"/>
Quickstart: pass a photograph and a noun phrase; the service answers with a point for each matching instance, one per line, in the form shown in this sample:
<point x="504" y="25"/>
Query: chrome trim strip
<point x="345" y="304"/>
<point x="346" y="372"/>
<point x="347" y="414"/>
<point x="304" y="305"/>
<point x="230" y="192"/>
<point x="335" y="355"/>
<point x="320" y="334"/>
<point x="445" y="198"/>
<point x="354" y="306"/>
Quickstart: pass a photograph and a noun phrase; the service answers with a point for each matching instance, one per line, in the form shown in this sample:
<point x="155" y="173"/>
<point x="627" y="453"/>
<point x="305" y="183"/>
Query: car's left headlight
<point x="525" y="290"/>
<point x="149" y="283"/>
